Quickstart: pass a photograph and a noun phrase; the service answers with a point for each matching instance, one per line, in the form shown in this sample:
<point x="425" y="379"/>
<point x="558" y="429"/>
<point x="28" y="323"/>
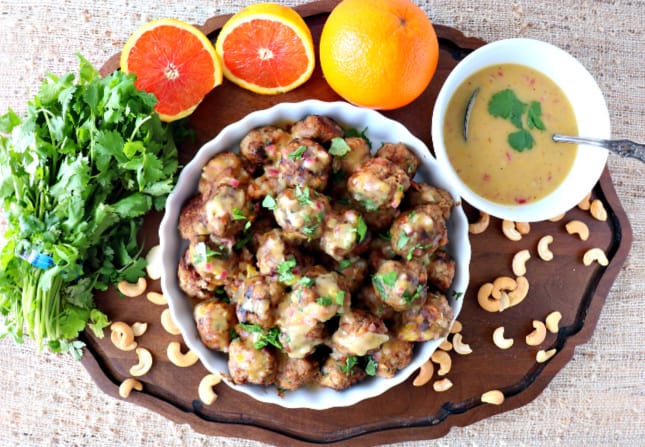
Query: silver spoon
<point x="624" y="148"/>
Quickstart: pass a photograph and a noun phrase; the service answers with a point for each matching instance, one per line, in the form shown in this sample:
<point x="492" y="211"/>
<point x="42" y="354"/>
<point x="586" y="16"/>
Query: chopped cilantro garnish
<point x="355" y="133"/>
<point x="535" y="116"/>
<point x="203" y="252"/>
<point x="306" y="281"/>
<point x="324" y="301"/>
<point x="238" y="214"/>
<point x="339" y="147"/>
<point x="303" y="195"/>
<point x="361" y="229"/>
<point x="265" y="337"/>
<point x="505" y="104"/>
<point x="348" y="366"/>
<point x="402" y="242"/>
<point x="284" y="270"/>
<point x="385" y="236"/>
<point x="371" y="367"/>
<point x="344" y="263"/>
<point x="269" y="203"/>
<point x="298" y="153"/>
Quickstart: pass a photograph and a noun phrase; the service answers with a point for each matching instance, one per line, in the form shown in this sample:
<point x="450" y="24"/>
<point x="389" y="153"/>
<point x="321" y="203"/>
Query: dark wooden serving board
<point x="404" y="412"/>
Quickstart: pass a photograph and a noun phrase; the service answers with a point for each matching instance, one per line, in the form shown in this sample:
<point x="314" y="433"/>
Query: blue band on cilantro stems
<point x="38" y="259"/>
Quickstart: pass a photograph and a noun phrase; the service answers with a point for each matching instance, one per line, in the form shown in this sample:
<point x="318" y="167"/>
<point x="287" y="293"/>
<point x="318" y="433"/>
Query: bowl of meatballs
<point x="314" y="255"/>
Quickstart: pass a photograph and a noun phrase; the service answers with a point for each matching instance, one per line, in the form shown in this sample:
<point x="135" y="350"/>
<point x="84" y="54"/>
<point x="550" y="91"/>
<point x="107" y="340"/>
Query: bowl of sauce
<point x="493" y="123"/>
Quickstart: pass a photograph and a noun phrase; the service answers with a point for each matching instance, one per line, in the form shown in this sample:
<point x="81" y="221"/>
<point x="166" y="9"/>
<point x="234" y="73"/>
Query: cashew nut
<point x="157" y="298"/>
<point x="485" y="300"/>
<point x="459" y="346"/>
<point x="153" y="259"/>
<point x="133" y="289"/>
<point x="542" y="356"/>
<point x="495" y="397"/>
<point x="499" y="340"/>
<point x="521" y="291"/>
<point x="557" y="218"/>
<point x="519" y="262"/>
<point x="503" y="283"/>
<point x="595" y="254"/>
<point x="552" y="322"/>
<point x="481" y="225"/>
<point x="509" y="230"/>
<point x="168" y="324"/>
<point x="128" y="385"/>
<point x="425" y="374"/>
<point x="122" y="336"/>
<point x="178" y="358"/>
<point x="544" y="252"/>
<point x="442" y="385"/>
<point x="578" y="227"/>
<point x="584" y="204"/>
<point x="523" y="227"/>
<point x="138" y="328"/>
<point x="442" y="358"/>
<point x="597" y="210"/>
<point x="456" y="327"/>
<point x="144" y="365"/>
<point x="537" y="336"/>
<point x="205" y="388"/>
<point x="445" y="345"/>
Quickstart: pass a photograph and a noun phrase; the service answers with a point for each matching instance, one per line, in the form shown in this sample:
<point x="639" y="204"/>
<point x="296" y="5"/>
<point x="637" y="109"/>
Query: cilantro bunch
<point x="77" y="174"/>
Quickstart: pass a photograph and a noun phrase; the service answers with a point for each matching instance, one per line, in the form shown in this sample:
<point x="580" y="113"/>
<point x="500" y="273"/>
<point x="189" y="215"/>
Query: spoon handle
<point x="624" y="148"/>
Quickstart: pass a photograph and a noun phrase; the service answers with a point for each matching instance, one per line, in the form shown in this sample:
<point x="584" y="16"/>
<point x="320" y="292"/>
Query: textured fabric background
<point x="598" y="398"/>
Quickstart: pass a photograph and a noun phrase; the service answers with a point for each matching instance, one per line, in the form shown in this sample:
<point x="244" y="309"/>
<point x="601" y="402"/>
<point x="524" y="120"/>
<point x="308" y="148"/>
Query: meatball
<point x="299" y="335"/>
<point x="421" y="194"/>
<point x="380" y="250"/>
<point x="301" y="212"/>
<point x="441" y="270"/>
<point x="358" y="152"/>
<point x="353" y="270"/>
<point x="339" y="372"/>
<point x="267" y="184"/>
<point x="262" y="146"/>
<point x="400" y="285"/>
<point x="392" y="356"/>
<point x="224" y="168"/>
<point x="212" y="262"/>
<point x="320" y="294"/>
<point x="368" y="299"/>
<point x="275" y="250"/>
<point x="256" y="300"/>
<point x="428" y="321"/>
<point x="305" y="163"/>
<point x="228" y="210"/>
<point x="343" y="232"/>
<point x="294" y="373"/>
<point x="317" y="127"/>
<point x="191" y="282"/>
<point x="215" y="321"/>
<point x="249" y="365"/>
<point x="358" y="333"/>
<point x="381" y="219"/>
<point x="400" y="155"/>
<point x="419" y="231"/>
<point x="192" y="220"/>
<point x="378" y="184"/>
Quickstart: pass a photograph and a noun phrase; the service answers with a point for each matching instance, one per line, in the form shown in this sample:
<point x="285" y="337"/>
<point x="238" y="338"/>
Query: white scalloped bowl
<point x="589" y="108"/>
<point x="379" y="130"/>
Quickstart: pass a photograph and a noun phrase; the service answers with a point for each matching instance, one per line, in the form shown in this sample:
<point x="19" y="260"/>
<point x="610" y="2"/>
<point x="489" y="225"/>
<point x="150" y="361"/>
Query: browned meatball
<point x="192" y="220"/>
<point x="380" y="250"/>
<point x="317" y="127"/>
<point x="368" y="299"/>
<point x="339" y="372"/>
<point x="262" y="146"/>
<point x="353" y="270"/>
<point x="299" y="334"/>
<point x="441" y="270"/>
<point x="212" y="262"/>
<point x="256" y="300"/>
<point x="419" y="231"/>
<point x="228" y="210"/>
<point x="192" y="283"/>
<point x="357" y="153"/>
<point x="275" y="250"/>
<point x="381" y="219"/>
<point x="215" y="320"/>
<point x="300" y="212"/>
<point x="224" y="168"/>
<point x="428" y="321"/>
<point x="421" y="193"/>
<point x="343" y="232"/>
<point x="359" y="332"/>
<point x="400" y="285"/>
<point x="320" y="294"/>
<point x="249" y="365"/>
<point x="400" y="155"/>
<point x="267" y="184"/>
<point x="305" y="163"/>
<point x="294" y="373"/>
<point x="392" y="356"/>
<point x="378" y="184"/>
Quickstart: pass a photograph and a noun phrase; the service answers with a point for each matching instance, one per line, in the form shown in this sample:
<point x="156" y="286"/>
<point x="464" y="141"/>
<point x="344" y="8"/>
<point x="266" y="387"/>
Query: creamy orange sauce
<point x="486" y="162"/>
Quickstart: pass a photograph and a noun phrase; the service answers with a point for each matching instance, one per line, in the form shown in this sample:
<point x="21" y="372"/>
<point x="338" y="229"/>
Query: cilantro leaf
<point x="269" y="203"/>
<point x="505" y="104"/>
<point x="348" y="366"/>
<point x="361" y="229"/>
<point x="298" y="153"/>
<point x="339" y="147"/>
<point x="284" y="270"/>
<point x="535" y="116"/>
<point x="521" y="140"/>
<point x="372" y="366"/>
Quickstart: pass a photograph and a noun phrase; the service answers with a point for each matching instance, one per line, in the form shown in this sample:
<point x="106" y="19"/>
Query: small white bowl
<point x="379" y="130"/>
<point x="588" y="105"/>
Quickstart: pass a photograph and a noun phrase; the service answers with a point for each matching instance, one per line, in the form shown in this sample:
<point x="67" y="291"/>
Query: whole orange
<point x="380" y="54"/>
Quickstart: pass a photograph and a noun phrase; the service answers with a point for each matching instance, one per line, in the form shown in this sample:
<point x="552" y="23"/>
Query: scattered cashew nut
<point x="485" y="300"/>
<point x="552" y="322"/>
<point x="523" y="227"/>
<point x="157" y="298"/>
<point x="499" y="340"/>
<point x="521" y="291"/>
<point x="537" y="336"/>
<point x="595" y="254"/>
<point x="557" y="218"/>
<point x="153" y="259"/>
<point x="584" y="204"/>
<point x="519" y="262"/>
<point x="445" y="345"/>
<point x="544" y="252"/>
<point x="510" y="231"/>
<point x="138" y="328"/>
<point x="178" y="358"/>
<point x="442" y="358"/>
<point x="456" y="327"/>
<point x="495" y="397"/>
<point x="459" y="346"/>
<point x="542" y="356"/>
<point x="503" y="283"/>
<point x="442" y="385"/>
<point x="481" y="225"/>
<point x="425" y="374"/>
<point x="578" y="227"/>
<point x="122" y="336"/>
<point x="144" y="365"/>
<point x="128" y="385"/>
<point x="133" y="289"/>
<point x="597" y="210"/>
<point x="205" y="388"/>
<point x="168" y="324"/>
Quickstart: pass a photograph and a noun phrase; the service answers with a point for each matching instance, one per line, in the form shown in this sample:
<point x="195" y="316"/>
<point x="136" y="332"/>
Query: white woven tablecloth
<point x="597" y="399"/>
